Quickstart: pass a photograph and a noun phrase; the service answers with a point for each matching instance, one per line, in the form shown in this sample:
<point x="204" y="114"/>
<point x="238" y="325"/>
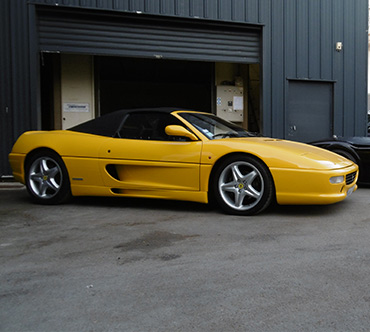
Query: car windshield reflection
<point x="215" y="128"/>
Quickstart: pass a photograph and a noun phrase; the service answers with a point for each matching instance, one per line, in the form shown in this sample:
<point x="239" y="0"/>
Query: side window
<point x="149" y="126"/>
<point x="131" y="128"/>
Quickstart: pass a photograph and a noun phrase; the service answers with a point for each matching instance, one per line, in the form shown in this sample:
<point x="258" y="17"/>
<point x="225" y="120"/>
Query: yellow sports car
<point x="178" y="154"/>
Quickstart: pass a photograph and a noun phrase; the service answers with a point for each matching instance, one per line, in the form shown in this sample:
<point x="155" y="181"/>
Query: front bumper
<point x="296" y="186"/>
<point x="16" y="161"/>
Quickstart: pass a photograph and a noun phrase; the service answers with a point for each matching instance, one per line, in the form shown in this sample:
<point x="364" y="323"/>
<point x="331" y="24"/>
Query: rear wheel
<point x="243" y="185"/>
<point x="47" y="178"/>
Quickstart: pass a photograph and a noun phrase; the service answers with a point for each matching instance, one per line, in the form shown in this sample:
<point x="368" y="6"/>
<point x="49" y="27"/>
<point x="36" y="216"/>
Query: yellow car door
<point x="144" y="158"/>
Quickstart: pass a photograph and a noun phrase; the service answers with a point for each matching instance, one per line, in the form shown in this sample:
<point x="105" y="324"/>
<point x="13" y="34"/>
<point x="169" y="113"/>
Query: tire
<point x="47" y="178"/>
<point x="243" y="185"/>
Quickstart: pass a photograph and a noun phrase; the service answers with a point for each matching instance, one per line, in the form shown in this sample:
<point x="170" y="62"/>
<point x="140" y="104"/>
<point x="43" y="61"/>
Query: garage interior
<point x="102" y="84"/>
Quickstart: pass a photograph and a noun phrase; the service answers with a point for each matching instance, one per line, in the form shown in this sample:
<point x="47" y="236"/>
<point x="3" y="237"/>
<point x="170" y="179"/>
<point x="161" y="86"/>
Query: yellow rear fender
<point x="64" y="142"/>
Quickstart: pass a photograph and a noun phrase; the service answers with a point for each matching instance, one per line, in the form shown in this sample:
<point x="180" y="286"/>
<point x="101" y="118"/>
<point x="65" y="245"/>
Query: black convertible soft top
<point x="108" y="124"/>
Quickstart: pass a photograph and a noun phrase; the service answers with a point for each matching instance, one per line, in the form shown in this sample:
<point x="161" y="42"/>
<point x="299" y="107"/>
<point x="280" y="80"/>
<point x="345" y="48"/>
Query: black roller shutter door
<point x="99" y="33"/>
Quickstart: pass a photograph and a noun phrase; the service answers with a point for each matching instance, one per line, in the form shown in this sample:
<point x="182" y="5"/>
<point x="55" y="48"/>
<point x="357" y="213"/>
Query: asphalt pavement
<point x="107" y="264"/>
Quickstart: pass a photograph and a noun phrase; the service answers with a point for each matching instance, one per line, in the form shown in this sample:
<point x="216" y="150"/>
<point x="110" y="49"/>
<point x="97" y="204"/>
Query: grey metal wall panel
<point x="15" y="87"/>
<point x="252" y="10"/>
<point x="338" y="65"/>
<point x="312" y="29"/>
<point x="291" y="42"/>
<point x="265" y="14"/>
<point x="277" y="72"/>
<point x="225" y="10"/>
<point x="326" y="40"/>
<point x="5" y="95"/>
<point x="302" y="38"/>
<point x="349" y="64"/>
<point x="361" y="70"/>
<point x="20" y="67"/>
<point x="65" y="31"/>
<point x="314" y="38"/>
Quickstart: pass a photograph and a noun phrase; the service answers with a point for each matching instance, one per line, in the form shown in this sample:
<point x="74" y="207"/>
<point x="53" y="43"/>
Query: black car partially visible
<point x="356" y="149"/>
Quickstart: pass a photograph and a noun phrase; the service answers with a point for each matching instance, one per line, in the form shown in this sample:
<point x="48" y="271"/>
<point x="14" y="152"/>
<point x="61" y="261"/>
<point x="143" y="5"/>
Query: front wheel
<point x="47" y="178"/>
<point x="243" y="185"/>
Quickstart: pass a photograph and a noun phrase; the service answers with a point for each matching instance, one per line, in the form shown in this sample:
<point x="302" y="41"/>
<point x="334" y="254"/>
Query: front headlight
<point x="337" y="179"/>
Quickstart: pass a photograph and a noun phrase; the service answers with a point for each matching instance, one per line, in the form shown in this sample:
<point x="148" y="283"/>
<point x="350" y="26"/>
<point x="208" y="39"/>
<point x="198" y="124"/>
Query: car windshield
<point x="214" y="127"/>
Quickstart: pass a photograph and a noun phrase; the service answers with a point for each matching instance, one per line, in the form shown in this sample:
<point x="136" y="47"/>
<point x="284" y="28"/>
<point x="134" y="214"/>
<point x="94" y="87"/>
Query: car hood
<point x="288" y="154"/>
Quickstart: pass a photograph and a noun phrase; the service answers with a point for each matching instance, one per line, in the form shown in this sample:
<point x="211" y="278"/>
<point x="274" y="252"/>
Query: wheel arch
<point x="36" y="151"/>
<point x="59" y="177"/>
<point x="226" y="156"/>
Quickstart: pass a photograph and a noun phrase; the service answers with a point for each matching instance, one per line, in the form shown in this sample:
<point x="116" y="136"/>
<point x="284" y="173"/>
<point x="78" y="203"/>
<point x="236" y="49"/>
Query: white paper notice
<point x="76" y="107"/>
<point x="238" y="103"/>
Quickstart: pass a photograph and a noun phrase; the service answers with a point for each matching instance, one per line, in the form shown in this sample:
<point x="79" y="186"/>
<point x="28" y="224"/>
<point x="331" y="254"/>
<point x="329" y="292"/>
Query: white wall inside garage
<point x="77" y="89"/>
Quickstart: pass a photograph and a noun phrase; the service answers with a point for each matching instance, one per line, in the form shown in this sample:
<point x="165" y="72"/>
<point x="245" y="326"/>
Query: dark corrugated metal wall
<point x="310" y="30"/>
<point x="5" y="120"/>
<point x="298" y="42"/>
<point x="229" y="10"/>
<point x="91" y="33"/>
<point x="17" y="111"/>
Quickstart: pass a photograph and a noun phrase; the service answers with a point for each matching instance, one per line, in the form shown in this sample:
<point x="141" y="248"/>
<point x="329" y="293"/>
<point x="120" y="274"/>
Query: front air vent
<point x="112" y="171"/>
<point x="350" y="178"/>
<point x="117" y="191"/>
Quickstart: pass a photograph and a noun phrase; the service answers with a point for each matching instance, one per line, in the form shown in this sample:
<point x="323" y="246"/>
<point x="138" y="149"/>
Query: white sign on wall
<point x="76" y="107"/>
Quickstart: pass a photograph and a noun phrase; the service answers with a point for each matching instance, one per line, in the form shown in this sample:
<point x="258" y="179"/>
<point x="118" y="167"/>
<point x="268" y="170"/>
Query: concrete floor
<point x="101" y="264"/>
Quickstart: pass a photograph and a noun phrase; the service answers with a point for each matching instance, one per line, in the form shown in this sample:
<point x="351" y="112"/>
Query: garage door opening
<point x="76" y="87"/>
<point x="125" y="83"/>
<point x="135" y="83"/>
